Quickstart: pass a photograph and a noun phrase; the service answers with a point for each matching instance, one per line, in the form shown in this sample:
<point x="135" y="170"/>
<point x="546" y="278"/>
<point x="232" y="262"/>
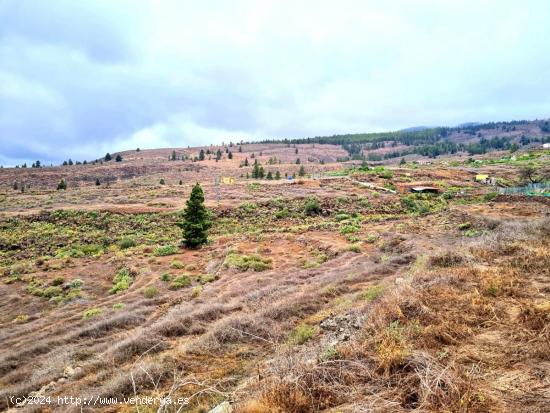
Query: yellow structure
<point x="481" y="177"/>
<point x="228" y="180"/>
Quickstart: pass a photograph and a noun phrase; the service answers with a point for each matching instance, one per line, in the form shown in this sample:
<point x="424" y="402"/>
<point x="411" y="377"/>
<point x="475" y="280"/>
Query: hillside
<point x="339" y="290"/>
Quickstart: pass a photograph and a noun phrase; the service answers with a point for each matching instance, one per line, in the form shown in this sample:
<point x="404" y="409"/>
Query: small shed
<point x="425" y="190"/>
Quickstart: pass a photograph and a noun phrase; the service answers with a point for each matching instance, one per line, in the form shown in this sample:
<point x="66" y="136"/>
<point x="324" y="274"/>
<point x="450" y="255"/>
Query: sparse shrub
<point x="301" y="334"/>
<point x="207" y="278"/>
<point x="448" y="259"/>
<point x="122" y="281"/>
<point x="150" y="292"/>
<point x="490" y="196"/>
<point x="191" y="267"/>
<point x="349" y="229"/>
<point x="76" y="283"/>
<point x="312" y="206"/>
<point x="197" y="290"/>
<point x="165" y="277"/>
<point x="281" y="214"/>
<point x="62" y="185"/>
<point x="58" y="281"/>
<point x="371" y="238"/>
<point x="118" y="306"/>
<point x="164" y="250"/>
<point x="52" y="292"/>
<point x="246" y="262"/>
<point x="180" y="282"/>
<point x="392" y="347"/>
<point x="177" y="264"/>
<point x="162" y="181"/>
<point x="354" y="248"/>
<point x="126" y="242"/>
<point x="464" y="226"/>
<point x="92" y="312"/>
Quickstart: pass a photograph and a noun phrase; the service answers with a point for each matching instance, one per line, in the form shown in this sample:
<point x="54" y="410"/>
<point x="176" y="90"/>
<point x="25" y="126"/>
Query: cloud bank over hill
<point x="78" y="79"/>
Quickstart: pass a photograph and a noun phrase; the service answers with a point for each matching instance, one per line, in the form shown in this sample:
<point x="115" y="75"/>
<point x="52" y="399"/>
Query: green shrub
<point x="165" y="277"/>
<point x="372" y="293"/>
<point x="312" y="206"/>
<point x="118" y="306"/>
<point x="150" y="292"/>
<point x="246" y="262"/>
<point x="349" y="229"/>
<point x="464" y="226"/>
<point x="164" y="250"/>
<point x="122" y="281"/>
<point x="58" y="281"/>
<point x="126" y="242"/>
<point x="490" y="196"/>
<point x="281" y="214"/>
<point x="207" y="278"/>
<point x="76" y="283"/>
<point x="371" y="238"/>
<point x="52" y="292"/>
<point x="180" y="282"/>
<point x="301" y="334"/>
<point x="197" y="290"/>
<point x="92" y="312"/>
<point x="355" y="248"/>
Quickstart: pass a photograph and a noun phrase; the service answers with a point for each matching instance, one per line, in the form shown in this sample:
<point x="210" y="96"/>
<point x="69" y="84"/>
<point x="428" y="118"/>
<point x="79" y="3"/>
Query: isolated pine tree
<point x="269" y="175"/>
<point x="302" y="171"/>
<point x="196" y="219"/>
<point x="97" y="182"/>
<point x="108" y="157"/>
<point x="277" y="175"/>
<point x="118" y="158"/>
<point x="62" y="185"/>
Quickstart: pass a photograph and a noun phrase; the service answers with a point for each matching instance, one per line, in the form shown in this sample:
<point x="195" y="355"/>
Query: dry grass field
<point x="338" y="291"/>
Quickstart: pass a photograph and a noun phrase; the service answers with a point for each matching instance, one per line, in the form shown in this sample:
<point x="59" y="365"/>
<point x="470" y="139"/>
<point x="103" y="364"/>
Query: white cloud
<point x="104" y="76"/>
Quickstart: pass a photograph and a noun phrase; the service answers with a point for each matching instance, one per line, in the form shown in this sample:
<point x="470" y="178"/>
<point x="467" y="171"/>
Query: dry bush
<point x="174" y="325"/>
<point x="235" y="329"/>
<point x="134" y="345"/>
<point x="120" y="320"/>
<point x="448" y="259"/>
<point x="143" y="376"/>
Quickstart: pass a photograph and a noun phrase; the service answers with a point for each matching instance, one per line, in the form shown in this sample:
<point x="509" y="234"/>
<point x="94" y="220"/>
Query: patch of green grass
<point x="301" y="334"/>
<point x="372" y="293"/>
<point x="180" y="282"/>
<point x="164" y="250"/>
<point x="92" y="312"/>
<point x="245" y="262"/>
<point x="58" y="281"/>
<point x="121" y="281"/>
<point x="165" y="277"/>
<point x="490" y="196"/>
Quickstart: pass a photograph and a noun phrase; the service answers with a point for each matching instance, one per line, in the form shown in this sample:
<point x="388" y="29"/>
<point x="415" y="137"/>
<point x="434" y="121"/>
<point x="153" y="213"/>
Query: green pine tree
<point x="302" y="171"/>
<point x="196" y="219"/>
<point x="277" y="175"/>
<point x="269" y="175"/>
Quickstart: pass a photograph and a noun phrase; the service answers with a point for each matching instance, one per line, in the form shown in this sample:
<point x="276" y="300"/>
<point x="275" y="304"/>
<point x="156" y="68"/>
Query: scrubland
<point x="318" y="294"/>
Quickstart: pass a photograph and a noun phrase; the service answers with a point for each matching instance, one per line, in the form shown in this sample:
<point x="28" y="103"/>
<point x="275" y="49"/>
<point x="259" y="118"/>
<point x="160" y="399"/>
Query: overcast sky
<point x="80" y="78"/>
